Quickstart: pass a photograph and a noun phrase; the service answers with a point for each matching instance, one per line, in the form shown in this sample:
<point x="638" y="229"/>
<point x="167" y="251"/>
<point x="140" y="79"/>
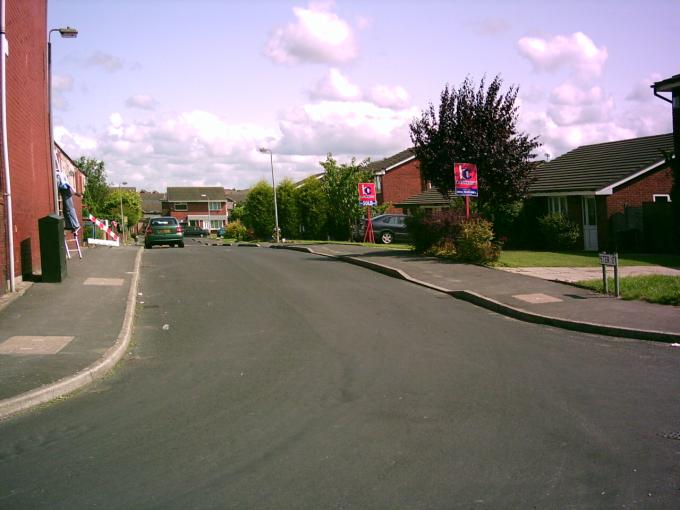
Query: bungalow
<point x="603" y="187"/>
<point x="397" y="178"/>
<point x="205" y="207"/>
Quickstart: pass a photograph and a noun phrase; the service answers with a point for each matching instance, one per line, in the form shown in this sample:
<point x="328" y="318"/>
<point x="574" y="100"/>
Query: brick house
<point x="75" y="176"/>
<point x="205" y="207"/>
<point x="609" y="189"/>
<point x="31" y="181"/>
<point x="397" y="178"/>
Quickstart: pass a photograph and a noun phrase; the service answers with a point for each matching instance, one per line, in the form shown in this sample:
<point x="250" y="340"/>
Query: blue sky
<point x="182" y="92"/>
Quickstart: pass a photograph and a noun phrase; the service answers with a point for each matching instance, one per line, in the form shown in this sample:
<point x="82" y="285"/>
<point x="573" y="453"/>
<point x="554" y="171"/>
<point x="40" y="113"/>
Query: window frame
<point x="176" y="206"/>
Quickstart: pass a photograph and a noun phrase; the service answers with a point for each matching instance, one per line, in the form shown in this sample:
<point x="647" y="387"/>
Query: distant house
<point x="606" y="188"/>
<point x="205" y="206"/>
<point x="398" y="178"/>
<point x="431" y="199"/>
<point x="75" y="176"/>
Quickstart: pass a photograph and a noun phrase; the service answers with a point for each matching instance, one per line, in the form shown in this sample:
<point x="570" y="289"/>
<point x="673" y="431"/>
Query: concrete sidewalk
<point x="517" y="295"/>
<point x="57" y="337"/>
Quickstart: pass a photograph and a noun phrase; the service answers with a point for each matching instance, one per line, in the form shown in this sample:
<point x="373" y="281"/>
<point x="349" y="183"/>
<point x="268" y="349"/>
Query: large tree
<point x="258" y="210"/>
<point x="476" y="125"/>
<point x="132" y="206"/>
<point x="312" y="205"/>
<point x="96" y="189"/>
<point x="341" y="184"/>
<point x="289" y="221"/>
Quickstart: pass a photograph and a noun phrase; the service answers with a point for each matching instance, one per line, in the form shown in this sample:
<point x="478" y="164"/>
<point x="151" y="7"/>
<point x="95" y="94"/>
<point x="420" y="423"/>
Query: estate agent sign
<point x="465" y="175"/>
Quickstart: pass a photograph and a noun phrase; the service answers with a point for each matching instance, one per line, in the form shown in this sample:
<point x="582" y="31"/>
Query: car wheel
<point x="386" y="237"/>
<point x="181" y="245"/>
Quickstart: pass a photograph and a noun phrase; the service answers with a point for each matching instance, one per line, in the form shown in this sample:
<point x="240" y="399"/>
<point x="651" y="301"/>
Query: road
<point x="271" y="379"/>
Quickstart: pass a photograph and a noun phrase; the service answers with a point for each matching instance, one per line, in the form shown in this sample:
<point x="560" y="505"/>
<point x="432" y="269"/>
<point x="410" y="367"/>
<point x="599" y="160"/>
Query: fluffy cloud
<point x="141" y="101"/>
<point x="318" y="35"/>
<point x="335" y="86"/>
<point x="389" y="97"/>
<point x="577" y="53"/>
<point x="642" y="91"/>
<point x="573" y="105"/>
<point x="106" y="61"/>
<point x="61" y="83"/>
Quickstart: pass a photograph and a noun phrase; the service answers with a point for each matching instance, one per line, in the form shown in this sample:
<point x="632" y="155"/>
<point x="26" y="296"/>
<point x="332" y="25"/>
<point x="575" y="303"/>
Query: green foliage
<point x="236" y="230"/>
<point x="312" y="206"/>
<point x="341" y="184"/>
<point x="660" y="289"/>
<point x="558" y="232"/>
<point x="258" y="210"/>
<point x="132" y="206"/>
<point x="476" y="125"/>
<point x="289" y="219"/>
<point x="450" y="234"/>
<point x="475" y="241"/>
<point x="237" y="212"/>
<point x="96" y="189"/>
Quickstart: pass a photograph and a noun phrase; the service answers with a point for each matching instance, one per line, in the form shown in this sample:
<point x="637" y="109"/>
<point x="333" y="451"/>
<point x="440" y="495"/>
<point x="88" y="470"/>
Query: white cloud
<point x="572" y="105"/>
<point x="106" y="61"/>
<point x="62" y="82"/>
<point x="577" y="53"/>
<point x="390" y="97"/>
<point x="141" y="101"/>
<point x="318" y="35"/>
<point x="642" y="91"/>
<point x="335" y="86"/>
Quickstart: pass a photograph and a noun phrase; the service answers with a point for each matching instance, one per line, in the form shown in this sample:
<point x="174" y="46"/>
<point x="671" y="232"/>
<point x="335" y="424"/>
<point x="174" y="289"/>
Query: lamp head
<point x="68" y="32"/>
<point x="264" y="150"/>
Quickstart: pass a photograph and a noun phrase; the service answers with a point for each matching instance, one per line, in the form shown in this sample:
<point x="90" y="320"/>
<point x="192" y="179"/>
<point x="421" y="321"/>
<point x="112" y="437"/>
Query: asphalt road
<point x="271" y="379"/>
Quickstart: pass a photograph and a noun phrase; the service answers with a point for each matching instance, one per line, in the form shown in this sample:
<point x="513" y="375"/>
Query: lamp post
<point x="68" y="33"/>
<point x="122" y="217"/>
<point x="209" y="218"/>
<point x="264" y="150"/>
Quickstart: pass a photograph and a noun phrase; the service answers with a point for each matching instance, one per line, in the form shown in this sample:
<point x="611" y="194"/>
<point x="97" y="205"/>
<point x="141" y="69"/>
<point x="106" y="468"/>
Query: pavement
<point x="58" y="337"/>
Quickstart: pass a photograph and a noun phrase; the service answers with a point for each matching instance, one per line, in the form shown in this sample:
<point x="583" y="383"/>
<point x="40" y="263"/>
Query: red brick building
<point x="28" y="136"/>
<point x="397" y="178"/>
<point x="611" y="190"/>
<point x="204" y="207"/>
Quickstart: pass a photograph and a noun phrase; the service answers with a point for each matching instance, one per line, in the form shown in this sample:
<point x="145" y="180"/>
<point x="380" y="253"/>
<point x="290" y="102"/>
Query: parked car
<point x="387" y="228"/>
<point x="164" y="230"/>
<point x="194" y="231"/>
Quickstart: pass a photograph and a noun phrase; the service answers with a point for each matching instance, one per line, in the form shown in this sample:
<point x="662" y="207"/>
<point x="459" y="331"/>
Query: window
<point x="661" y="198"/>
<point x="557" y="205"/>
<point x="214" y="206"/>
<point x="378" y="183"/>
<point x="181" y="206"/>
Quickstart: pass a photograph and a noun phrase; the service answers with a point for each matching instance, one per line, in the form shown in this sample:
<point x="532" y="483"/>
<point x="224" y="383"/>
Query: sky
<point x="184" y="92"/>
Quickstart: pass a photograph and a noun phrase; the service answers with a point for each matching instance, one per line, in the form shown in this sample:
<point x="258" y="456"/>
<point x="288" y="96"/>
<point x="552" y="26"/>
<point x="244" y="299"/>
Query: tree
<point x="289" y="220"/>
<point x="476" y="126"/>
<point x="236" y="213"/>
<point x="96" y="189"/>
<point x="258" y="210"/>
<point x="132" y="206"/>
<point x="312" y="205"/>
<point x="341" y="183"/>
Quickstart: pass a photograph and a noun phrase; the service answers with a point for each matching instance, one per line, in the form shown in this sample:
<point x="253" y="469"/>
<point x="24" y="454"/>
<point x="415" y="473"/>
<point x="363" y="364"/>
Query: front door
<point x="589" y="224"/>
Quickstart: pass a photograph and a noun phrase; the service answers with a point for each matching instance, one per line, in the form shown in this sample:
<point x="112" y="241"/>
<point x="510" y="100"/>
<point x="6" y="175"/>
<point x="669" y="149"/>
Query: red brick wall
<point x="640" y="190"/>
<point x="401" y="183"/>
<point x="28" y="129"/>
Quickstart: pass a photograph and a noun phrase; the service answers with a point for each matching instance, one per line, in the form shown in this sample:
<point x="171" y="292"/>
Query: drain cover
<point x="671" y="435"/>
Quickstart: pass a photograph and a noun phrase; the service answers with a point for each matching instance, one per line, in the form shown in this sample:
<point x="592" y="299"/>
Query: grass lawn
<point x="519" y="258"/>
<point x="660" y="289"/>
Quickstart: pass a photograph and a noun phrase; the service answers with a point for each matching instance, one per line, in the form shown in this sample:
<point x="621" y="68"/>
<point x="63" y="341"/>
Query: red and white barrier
<point x="110" y="233"/>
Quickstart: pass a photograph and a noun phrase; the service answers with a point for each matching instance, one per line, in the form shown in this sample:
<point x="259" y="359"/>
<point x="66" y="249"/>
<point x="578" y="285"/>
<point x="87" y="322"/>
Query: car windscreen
<point x="164" y="222"/>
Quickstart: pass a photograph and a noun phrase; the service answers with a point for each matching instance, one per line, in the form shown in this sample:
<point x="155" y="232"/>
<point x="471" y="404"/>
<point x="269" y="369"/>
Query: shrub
<point x="236" y="230"/>
<point x="558" y="232"/>
<point x="475" y="242"/>
<point x="429" y="230"/>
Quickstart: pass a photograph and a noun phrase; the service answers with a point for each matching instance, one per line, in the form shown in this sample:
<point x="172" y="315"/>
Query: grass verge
<point x="659" y="289"/>
<point x="520" y="258"/>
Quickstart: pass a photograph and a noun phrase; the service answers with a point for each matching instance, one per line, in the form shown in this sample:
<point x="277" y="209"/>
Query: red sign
<point x="465" y="176"/>
<point x="367" y="194"/>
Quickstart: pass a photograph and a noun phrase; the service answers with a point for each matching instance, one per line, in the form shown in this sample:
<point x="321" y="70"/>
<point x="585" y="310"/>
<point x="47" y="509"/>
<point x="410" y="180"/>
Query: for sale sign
<point x="465" y="177"/>
<point x="367" y="194"/>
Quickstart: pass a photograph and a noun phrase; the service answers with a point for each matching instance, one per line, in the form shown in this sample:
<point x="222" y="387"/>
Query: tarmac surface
<point x="57" y="337"/>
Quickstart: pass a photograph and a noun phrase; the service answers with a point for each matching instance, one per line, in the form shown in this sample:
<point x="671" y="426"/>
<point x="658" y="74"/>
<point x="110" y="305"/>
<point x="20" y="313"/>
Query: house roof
<point x="193" y="194"/>
<point x="388" y="163"/>
<point x="667" y="85"/>
<point x="236" y="195"/>
<point x="151" y="201"/>
<point x="592" y="168"/>
<point x="430" y="197"/>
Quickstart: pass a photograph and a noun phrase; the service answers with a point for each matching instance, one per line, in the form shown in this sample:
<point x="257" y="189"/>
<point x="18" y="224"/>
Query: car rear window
<point x="164" y="221"/>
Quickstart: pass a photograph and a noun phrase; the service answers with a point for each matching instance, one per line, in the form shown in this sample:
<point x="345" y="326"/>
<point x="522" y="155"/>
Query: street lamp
<point x="122" y="217"/>
<point x="264" y="150"/>
<point x="209" y="218"/>
<point x="68" y="33"/>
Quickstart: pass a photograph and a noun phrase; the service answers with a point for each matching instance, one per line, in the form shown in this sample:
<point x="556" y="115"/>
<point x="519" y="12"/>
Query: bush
<point x="475" y="242"/>
<point x="429" y="230"/>
<point x="236" y="230"/>
<point x="558" y="232"/>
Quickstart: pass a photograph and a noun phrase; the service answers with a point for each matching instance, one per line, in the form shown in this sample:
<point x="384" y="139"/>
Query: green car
<point x="165" y="230"/>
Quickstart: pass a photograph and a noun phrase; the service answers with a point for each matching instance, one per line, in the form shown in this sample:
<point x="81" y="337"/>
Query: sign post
<point x="610" y="259"/>
<point x="465" y="178"/>
<point x="367" y="198"/>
